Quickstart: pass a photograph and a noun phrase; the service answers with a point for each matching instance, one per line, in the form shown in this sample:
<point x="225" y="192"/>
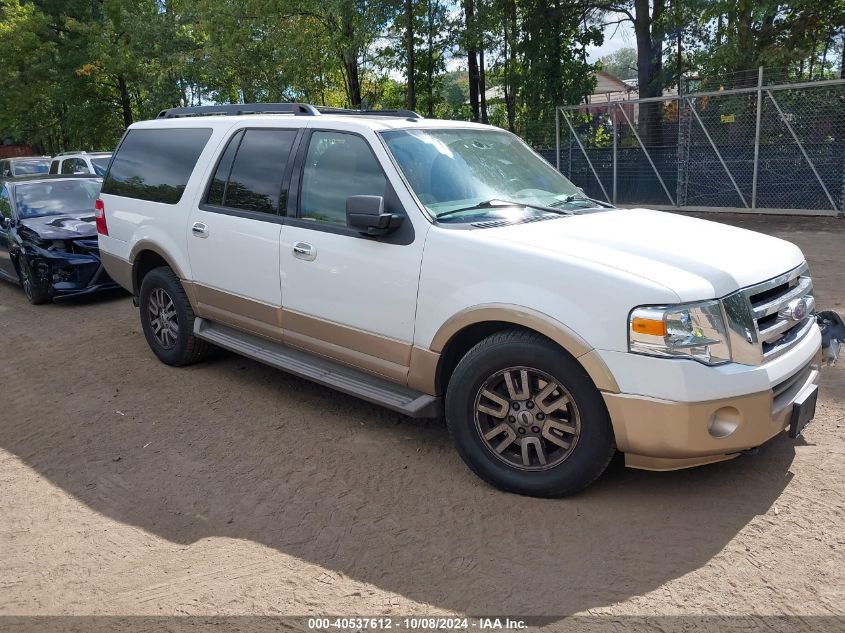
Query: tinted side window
<point x="217" y="189"/>
<point x="5" y="205"/>
<point x="73" y="165"/>
<point x="255" y="177"/>
<point x="155" y="164"/>
<point x="54" y="167"/>
<point x="337" y="166"/>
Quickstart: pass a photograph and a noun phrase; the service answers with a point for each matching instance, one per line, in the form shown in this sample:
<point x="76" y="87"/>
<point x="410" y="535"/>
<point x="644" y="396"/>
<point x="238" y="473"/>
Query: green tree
<point x="622" y="63"/>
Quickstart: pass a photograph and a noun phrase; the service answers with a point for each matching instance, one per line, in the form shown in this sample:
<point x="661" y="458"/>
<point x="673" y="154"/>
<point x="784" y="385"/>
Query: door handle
<point x="305" y="251"/>
<point x="200" y="229"/>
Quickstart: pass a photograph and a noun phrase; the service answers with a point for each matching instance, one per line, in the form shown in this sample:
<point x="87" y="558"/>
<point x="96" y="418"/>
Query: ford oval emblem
<point x="797" y="309"/>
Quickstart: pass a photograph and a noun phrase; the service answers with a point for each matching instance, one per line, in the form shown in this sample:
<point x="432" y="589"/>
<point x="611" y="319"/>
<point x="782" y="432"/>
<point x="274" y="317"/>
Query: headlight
<point x="694" y="330"/>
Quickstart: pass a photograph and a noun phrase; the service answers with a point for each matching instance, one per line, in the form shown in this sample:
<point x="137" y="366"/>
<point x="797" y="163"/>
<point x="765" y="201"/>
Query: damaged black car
<point x="48" y="237"/>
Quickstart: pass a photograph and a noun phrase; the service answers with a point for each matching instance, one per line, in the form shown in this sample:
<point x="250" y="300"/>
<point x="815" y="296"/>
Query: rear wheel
<point x="35" y="294"/>
<point x="526" y="417"/>
<point x="168" y="319"/>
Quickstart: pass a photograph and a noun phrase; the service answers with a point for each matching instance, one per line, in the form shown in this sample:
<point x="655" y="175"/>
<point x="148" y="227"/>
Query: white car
<point x="94" y="163"/>
<point x="444" y="267"/>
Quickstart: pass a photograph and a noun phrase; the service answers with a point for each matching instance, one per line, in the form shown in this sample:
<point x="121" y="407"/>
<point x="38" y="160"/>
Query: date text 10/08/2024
<point x="414" y="623"/>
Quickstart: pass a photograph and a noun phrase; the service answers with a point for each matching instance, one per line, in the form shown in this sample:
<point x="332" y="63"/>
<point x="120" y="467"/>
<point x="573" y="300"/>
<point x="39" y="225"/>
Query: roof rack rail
<point x="408" y="114"/>
<point x="238" y="109"/>
<point x="71" y="152"/>
<point x="296" y="109"/>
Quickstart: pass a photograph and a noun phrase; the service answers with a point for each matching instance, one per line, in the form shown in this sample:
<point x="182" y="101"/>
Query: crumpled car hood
<point x="63" y="227"/>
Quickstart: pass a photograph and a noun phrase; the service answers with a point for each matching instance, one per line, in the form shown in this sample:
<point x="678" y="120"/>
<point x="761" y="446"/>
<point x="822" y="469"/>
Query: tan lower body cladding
<point x="374" y="354"/>
<point x="394" y="360"/>
<point x="666" y="435"/>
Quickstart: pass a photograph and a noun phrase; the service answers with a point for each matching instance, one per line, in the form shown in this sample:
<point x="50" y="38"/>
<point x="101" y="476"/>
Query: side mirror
<point x="366" y="213"/>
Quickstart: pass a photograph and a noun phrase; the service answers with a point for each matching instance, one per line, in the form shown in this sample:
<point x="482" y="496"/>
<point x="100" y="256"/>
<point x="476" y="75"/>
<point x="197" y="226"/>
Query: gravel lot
<point x="131" y="488"/>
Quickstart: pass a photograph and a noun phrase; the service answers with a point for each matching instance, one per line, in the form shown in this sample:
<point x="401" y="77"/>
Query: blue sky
<point x="616" y="36"/>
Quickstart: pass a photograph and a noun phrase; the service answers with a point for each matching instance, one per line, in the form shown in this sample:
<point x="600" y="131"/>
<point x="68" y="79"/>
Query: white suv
<point x="444" y="267"/>
<point x="94" y="163"/>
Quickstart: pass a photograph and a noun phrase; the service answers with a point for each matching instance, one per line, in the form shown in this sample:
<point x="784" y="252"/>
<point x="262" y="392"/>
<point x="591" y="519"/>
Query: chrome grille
<point x="762" y="320"/>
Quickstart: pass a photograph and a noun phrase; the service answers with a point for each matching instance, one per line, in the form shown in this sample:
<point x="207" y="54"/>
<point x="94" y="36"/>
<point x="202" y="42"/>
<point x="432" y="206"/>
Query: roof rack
<point x="408" y="114"/>
<point x="296" y="109"/>
<point x="82" y="151"/>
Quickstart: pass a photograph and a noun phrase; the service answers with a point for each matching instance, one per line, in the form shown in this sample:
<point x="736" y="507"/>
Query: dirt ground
<point x="131" y="488"/>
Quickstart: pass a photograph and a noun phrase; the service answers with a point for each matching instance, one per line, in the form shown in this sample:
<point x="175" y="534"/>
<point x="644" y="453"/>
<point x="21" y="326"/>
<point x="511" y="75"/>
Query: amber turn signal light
<point x="652" y="327"/>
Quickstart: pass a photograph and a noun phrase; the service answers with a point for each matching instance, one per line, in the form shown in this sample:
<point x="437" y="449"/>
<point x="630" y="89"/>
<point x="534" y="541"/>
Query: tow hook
<point x="833" y="335"/>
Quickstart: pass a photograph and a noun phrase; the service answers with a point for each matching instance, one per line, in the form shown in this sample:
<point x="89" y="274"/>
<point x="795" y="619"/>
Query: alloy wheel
<point x="26" y="281"/>
<point x="163" y="320"/>
<point x="527" y="418"/>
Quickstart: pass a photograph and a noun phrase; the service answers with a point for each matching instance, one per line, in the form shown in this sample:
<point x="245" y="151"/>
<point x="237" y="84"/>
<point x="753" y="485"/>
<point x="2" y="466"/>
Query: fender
<point x="553" y="329"/>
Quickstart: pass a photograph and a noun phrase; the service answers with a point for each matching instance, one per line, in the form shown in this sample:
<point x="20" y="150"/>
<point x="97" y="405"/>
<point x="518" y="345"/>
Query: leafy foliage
<point x="77" y="72"/>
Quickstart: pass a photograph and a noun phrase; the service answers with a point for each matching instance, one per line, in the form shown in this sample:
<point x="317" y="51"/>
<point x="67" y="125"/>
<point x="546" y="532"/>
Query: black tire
<point x="588" y="456"/>
<point x="185" y="349"/>
<point x="35" y="294"/>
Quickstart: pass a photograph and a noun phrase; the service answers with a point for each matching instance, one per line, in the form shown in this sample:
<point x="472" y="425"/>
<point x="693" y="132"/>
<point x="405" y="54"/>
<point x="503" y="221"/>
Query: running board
<point x="320" y="370"/>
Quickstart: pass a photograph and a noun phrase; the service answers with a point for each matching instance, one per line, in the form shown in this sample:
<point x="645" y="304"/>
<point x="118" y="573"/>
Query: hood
<point x="697" y="259"/>
<point x="68" y="226"/>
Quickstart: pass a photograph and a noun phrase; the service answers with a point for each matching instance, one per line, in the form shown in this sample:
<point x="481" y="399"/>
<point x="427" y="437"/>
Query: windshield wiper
<point x="573" y="198"/>
<point x="495" y="203"/>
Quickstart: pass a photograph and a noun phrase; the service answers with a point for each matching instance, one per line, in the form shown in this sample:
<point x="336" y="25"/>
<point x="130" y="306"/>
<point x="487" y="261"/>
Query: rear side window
<point x="155" y="165"/>
<point x="250" y="172"/>
<point x="74" y="165"/>
<point x="54" y="167"/>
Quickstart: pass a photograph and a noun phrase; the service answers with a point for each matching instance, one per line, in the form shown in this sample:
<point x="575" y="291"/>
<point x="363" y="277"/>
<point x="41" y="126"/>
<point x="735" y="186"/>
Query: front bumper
<point x="658" y="433"/>
<point x="63" y="275"/>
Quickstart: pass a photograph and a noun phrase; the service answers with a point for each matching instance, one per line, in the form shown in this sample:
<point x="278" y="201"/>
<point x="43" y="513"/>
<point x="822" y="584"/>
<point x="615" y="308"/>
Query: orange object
<point x="653" y="327"/>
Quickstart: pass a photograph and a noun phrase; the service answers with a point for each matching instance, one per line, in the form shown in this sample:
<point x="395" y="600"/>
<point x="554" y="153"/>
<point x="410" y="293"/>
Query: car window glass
<point x="54" y="167"/>
<point x="70" y="165"/>
<point x="5" y="205"/>
<point x="255" y="179"/>
<point x="155" y="163"/>
<point x="30" y="166"/>
<point x="100" y="163"/>
<point x="337" y="166"/>
<point x="62" y="196"/>
<point x="221" y="174"/>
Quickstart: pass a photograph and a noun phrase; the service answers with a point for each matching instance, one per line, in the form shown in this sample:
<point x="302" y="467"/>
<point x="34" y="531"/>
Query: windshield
<point x="59" y="197"/>
<point x="468" y="174"/>
<point x="24" y="167"/>
<point x="101" y="163"/>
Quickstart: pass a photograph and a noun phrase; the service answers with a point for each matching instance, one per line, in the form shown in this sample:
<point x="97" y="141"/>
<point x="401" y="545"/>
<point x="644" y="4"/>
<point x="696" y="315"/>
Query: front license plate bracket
<point x="803" y="410"/>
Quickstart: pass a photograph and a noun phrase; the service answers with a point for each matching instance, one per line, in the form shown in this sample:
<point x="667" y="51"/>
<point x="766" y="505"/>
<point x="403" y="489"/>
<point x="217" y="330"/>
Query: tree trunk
<point x="409" y="48"/>
<point x="472" y="58"/>
<point x="482" y="86"/>
<point x="510" y="73"/>
<point x="429" y="69"/>
<point x="649" y="66"/>
<point x="842" y="59"/>
<point x="125" y="103"/>
<point x="353" y="82"/>
<point x="349" y="59"/>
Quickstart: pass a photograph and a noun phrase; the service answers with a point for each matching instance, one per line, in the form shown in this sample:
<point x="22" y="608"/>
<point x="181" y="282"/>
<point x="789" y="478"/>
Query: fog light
<point x="723" y="422"/>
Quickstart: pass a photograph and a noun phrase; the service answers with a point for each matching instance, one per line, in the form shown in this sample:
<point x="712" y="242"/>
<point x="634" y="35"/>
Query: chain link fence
<point x="761" y="148"/>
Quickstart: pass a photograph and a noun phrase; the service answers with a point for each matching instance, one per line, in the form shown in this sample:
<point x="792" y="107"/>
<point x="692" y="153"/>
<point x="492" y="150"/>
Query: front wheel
<point x="35" y="294"/>
<point x="526" y="417"/>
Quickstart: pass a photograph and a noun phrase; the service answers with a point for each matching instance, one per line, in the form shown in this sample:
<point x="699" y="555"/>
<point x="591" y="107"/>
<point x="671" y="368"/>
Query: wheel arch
<point x="146" y="256"/>
<point x="469" y="327"/>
